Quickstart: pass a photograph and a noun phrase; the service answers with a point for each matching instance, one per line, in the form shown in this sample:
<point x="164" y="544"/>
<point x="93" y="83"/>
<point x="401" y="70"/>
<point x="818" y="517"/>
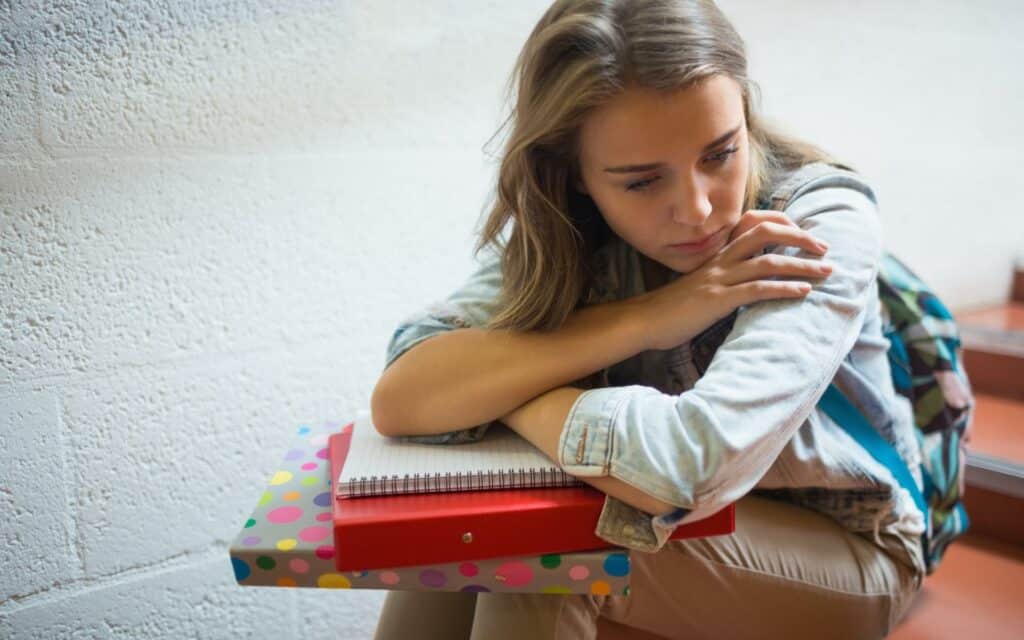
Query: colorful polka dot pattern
<point x="288" y="542"/>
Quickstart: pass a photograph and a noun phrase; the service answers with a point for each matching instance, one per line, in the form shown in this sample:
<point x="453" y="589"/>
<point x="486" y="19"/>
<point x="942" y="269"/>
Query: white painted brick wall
<point x="212" y="215"/>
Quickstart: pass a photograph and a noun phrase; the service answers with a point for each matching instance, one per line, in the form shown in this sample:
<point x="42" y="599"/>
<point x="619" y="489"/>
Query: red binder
<point x="436" y="528"/>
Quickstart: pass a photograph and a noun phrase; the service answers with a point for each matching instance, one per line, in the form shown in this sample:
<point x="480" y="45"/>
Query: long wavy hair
<point x="580" y="54"/>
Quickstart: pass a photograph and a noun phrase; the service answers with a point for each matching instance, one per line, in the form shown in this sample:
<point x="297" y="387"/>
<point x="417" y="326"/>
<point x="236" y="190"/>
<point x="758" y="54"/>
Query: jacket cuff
<point x="586" y="443"/>
<point x="626" y="526"/>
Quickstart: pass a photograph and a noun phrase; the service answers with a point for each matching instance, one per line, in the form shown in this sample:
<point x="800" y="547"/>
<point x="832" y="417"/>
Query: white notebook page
<point x="372" y="455"/>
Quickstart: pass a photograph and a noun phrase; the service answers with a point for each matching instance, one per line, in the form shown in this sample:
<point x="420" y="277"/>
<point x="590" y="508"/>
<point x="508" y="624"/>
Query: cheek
<point x="729" y="192"/>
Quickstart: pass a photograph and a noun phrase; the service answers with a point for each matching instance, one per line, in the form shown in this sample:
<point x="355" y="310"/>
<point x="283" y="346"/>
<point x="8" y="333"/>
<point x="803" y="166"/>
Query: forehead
<point x="642" y="124"/>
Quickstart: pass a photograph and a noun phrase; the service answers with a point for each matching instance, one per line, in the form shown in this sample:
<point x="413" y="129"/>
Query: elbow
<point x="382" y="407"/>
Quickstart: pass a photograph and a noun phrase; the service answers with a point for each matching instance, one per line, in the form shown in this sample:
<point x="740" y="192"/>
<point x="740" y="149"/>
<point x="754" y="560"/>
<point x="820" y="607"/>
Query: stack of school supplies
<point x="287" y="541"/>
<point x="399" y="504"/>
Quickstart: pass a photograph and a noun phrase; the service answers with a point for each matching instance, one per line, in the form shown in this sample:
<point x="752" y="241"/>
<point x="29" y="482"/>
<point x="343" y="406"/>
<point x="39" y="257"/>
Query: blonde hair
<point x="580" y="54"/>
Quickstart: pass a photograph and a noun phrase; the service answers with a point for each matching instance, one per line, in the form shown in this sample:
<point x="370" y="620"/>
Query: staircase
<point x="978" y="591"/>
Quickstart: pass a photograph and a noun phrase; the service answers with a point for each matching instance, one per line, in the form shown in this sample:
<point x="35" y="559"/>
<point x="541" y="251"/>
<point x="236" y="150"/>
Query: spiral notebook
<point x="502" y="459"/>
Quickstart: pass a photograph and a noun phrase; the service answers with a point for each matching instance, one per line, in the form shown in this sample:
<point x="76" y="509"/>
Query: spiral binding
<point x="449" y="482"/>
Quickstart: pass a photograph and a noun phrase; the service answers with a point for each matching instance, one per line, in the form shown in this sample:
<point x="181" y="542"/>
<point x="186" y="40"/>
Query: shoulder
<point x="836" y="205"/>
<point x="841" y="183"/>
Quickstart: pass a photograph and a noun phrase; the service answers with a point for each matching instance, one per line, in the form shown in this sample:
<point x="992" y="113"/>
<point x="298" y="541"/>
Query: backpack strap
<point x="844" y="414"/>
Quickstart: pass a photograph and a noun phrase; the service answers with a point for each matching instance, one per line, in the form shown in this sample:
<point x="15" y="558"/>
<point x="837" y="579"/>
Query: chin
<point x="688" y="266"/>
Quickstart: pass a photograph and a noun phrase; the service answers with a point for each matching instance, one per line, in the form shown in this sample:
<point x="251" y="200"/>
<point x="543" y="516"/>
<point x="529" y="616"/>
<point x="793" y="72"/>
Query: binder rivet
<point x="467" y="537"/>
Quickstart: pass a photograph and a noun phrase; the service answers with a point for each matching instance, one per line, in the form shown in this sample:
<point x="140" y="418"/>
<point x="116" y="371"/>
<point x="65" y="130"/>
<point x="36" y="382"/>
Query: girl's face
<point x="669" y="168"/>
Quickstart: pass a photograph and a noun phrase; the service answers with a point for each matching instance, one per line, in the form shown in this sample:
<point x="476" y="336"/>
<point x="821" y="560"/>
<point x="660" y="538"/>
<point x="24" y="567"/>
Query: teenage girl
<point x="669" y="287"/>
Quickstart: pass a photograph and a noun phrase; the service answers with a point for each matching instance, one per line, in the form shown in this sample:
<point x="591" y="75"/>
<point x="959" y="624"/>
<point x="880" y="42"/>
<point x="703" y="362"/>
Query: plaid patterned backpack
<point x="925" y="359"/>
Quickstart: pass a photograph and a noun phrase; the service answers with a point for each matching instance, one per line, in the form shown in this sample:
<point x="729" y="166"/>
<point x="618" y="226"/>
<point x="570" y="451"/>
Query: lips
<point x="697" y="243"/>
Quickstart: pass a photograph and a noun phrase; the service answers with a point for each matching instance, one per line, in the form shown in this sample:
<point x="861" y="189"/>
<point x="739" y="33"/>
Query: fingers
<point x="767" y="266"/>
<point x="753" y="241"/>
<point x="754" y="217"/>
<point x="758" y="290"/>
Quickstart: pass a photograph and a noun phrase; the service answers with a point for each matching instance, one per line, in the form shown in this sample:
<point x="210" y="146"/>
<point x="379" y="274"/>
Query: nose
<point x="691" y="204"/>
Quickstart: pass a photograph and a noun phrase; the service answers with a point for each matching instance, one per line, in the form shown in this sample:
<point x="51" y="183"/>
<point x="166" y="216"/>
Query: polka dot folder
<point x="288" y="542"/>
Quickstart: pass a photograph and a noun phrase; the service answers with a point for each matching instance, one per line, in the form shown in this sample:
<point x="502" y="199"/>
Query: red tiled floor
<point x="976" y="593"/>
<point x="998" y="427"/>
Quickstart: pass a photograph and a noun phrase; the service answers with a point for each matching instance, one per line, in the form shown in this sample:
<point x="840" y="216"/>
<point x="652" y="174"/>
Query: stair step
<point x="974" y="593"/>
<point x="993" y="348"/>
<point x="997" y="428"/>
<point x="994" y="514"/>
<point x="994" y="496"/>
<point x="1007" y="317"/>
<point x="995" y="474"/>
<point x="993" y="371"/>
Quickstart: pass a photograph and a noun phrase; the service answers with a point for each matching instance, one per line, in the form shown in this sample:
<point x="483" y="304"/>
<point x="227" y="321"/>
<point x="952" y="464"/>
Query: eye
<point x="640" y="185"/>
<point x="722" y="156"/>
<point x="717" y="159"/>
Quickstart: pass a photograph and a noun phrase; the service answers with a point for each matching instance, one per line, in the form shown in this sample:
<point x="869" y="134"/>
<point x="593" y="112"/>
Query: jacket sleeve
<point x="707" y="447"/>
<point x="471" y="305"/>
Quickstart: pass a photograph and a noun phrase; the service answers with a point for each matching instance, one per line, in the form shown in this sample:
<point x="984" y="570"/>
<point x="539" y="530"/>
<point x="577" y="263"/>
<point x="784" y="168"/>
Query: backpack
<point x="925" y="360"/>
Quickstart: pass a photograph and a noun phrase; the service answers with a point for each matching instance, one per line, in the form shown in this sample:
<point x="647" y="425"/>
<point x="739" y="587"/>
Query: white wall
<point x="213" y="215"/>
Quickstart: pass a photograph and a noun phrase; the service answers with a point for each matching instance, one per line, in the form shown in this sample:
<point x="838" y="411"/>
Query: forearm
<point x="541" y="421"/>
<point x="467" y="377"/>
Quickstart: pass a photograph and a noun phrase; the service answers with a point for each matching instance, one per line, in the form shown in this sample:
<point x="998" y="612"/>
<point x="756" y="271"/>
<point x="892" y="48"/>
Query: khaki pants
<point x="786" y="572"/>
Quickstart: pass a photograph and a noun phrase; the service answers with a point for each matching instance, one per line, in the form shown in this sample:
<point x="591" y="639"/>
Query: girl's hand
<point x="737" y="275"/>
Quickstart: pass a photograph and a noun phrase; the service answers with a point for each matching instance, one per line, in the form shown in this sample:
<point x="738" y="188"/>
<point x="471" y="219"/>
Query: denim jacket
<point x="734" y="409"/>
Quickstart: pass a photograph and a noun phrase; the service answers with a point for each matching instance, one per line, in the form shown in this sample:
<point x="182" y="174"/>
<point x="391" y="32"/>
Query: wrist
<point x="632" y="327"/>
<point x="550" y="407"/>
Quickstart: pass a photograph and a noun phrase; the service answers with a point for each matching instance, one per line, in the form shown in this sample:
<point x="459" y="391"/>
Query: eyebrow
<point x="637" y="168"/>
